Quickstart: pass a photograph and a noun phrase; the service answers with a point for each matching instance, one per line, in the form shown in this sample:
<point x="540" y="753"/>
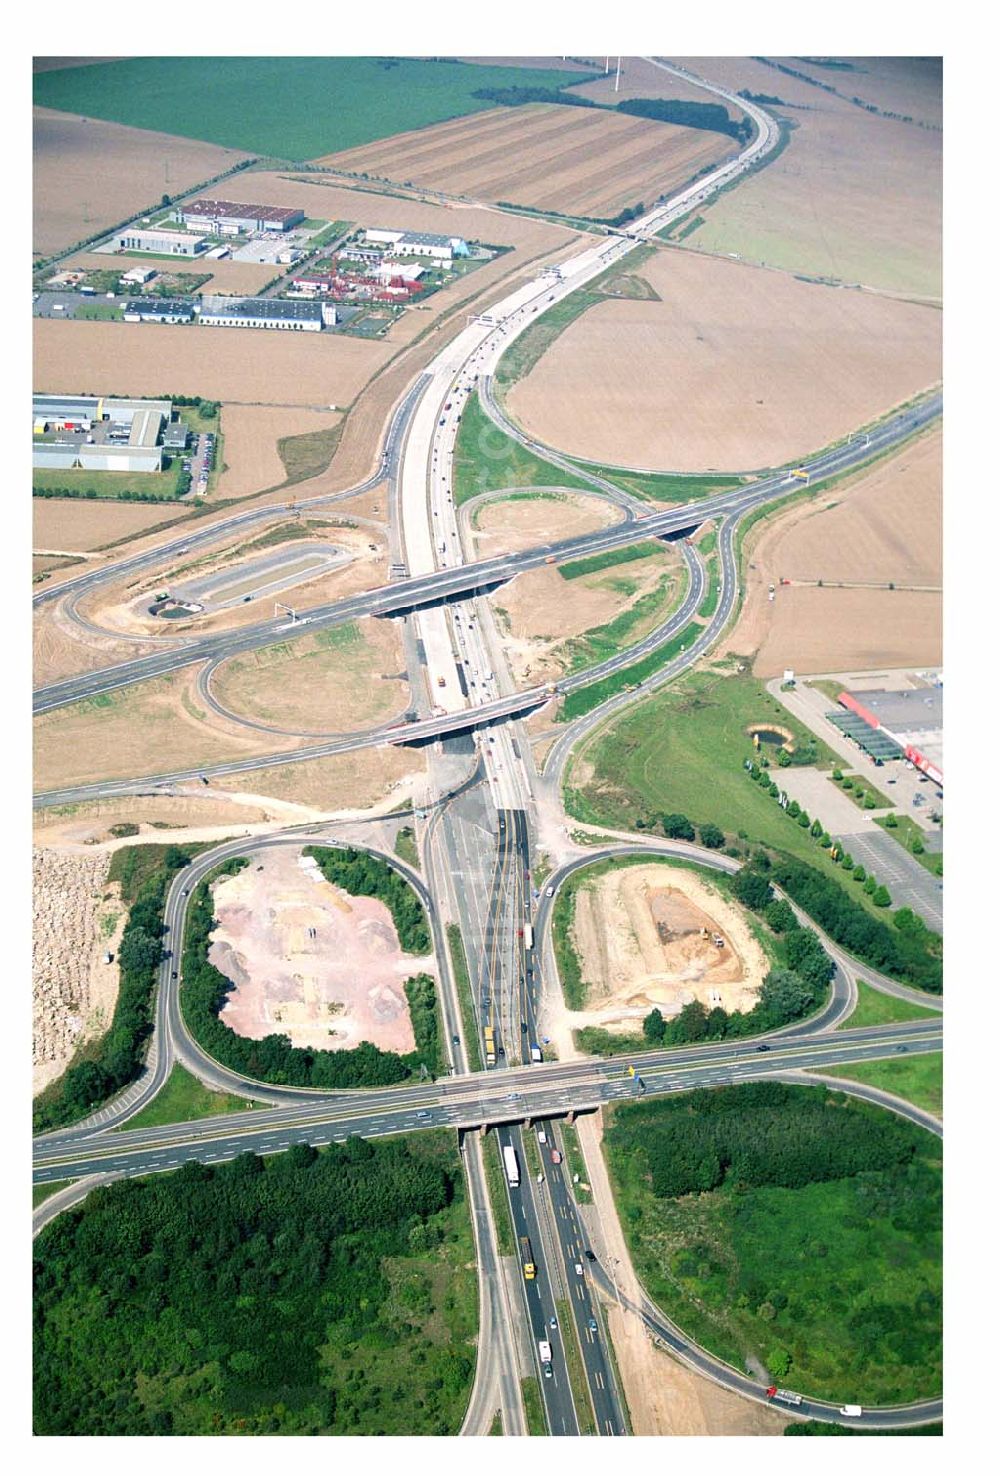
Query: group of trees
<point x="364" y="875"/>
<point x="204" y="990"/>
<point x="116" y="1059"/>
<point x="91" y="494"/>
<point x="908" y="951"/>
<point x="284" y="1296"/>
<point x="711" y="116"/>
<point x="679" y="827"/>
<point x="761" y="1133"/>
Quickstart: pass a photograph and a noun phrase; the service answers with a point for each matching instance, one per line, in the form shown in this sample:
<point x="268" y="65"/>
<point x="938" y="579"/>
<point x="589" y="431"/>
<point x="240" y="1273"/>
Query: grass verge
<point x="41" y="1192"/>
<point x="487" y="460"/>
<point x="534" y="1410"/>
<point x="585" y="699"/>
<point x="917" y="1079"/>
<point x="498" y="1195"/>
<point x="576" y="1164"/>
<point x="876" y="1008"/>
<point x="575" y="1369"/>
<point x="463" y="984"/>
<point x="182" y="1098"/>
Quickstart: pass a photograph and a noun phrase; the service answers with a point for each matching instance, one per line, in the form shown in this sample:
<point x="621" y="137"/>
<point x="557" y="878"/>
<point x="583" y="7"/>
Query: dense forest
<point x="364" y="875"/>
<point x="110" y="1063"/>
<point x="309" y="1293"/>
<point x="790" y="1229"/>
<point x="274" y="1059"/>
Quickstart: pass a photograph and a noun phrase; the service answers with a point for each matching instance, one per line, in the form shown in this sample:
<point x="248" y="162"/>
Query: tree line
<point x="204" y="991"/>
<point x="116" y="1059"/>
<point x="287" y="1295"/>
<point x="760" y="1133"/>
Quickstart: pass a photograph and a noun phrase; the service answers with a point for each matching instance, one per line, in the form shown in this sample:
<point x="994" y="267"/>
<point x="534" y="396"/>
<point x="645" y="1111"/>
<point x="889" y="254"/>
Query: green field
<point x="183" y="1098"/>
<point x="661" y="486"/>
<point x="585" y="699"/>
<point x="576" y="568"/>
<point x="876" y="1008"/>
<point x="487" y="460"/>
<point x="306" y="1293"/>
<point x="682" y="750"/>
<point x="79" y="482"/>
<point x="789" y="1230"/>
<point x="284" y="107"/>
<point x="919" y="1079"/>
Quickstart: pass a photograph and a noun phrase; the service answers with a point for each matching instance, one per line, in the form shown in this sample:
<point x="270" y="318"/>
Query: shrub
<point x="881" y="897"/>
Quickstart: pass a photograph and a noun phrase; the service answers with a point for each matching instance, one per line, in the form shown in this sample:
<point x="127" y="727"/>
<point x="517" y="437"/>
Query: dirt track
<point x="824" y="361"/>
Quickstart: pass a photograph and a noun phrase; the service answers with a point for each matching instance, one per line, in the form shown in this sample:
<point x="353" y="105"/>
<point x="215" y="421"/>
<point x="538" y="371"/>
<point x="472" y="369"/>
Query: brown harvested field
<point x="909" y="85"/>
<point x="644" y="936"/>
<point x="333" y="681"/>
<point x="242" y="364"/>
<point x="350" y="782"/>
<point x="741" y="368"/>
<point x="571" y="160"/>
<point x="60" y="649"/>
<point x="89" y="174"/>
<point x="152" y="727"/>
<point x="883" y="526"/>
<point x="250" y="444"/>
<point x="510" y="524"/>
<point x="541" y="613"/>
<point x="308" y="960"/>
<point x="75" y="525"/>
<point x="854" y="196"/>
<point x="227" y="276"/>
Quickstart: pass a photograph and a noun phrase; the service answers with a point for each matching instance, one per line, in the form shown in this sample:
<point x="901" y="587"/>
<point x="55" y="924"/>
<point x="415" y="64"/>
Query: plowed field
<point x="740" y="369"/>
<point x="89" y="174"/>
<point x="550" y="157"/>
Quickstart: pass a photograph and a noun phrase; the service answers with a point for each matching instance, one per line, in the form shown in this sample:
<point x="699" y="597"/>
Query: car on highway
<point x="578" y="1268"/>
<point x="590" y="1255"/>
<point x="763" y="1048"/>
<point x="550" y="891"/>
<point x="455" y="1040"/>
<point x="592" y="1324"/>
<point x="174" y="976"/>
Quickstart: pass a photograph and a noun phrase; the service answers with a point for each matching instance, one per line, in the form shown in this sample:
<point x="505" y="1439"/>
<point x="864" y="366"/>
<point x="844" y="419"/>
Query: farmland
<point x="852" y="534"/>
<point x="252" y="434"/>
<point x="576" y="162"/>
<point x="78" y="526"/>
<point x="695" y="407"/>
<point x="287" y="368"/>
<point x="302" y="106"/>
<point x="854" y="197"/>
<point x="90" y="174"/>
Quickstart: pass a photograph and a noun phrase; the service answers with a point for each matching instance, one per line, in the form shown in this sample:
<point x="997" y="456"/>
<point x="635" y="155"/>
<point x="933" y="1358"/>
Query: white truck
<point x="545" y="1350"/>
<point x="536" y="1056"/>
<point x="511" y="1165"/>
<point x="529" y="936"/>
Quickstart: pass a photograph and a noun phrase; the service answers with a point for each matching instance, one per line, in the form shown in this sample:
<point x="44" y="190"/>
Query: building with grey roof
<point x="267" y="312"/>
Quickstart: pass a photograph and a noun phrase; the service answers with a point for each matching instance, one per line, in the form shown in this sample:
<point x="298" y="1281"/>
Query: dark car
<point x="901" y="1050"/>
<point x="501" y="1051"/>
<point x="590" y="1255"/>
<point x="524" y="1026"/>
<point x="455" y="1040"/>
<point x="763" y="1047"/>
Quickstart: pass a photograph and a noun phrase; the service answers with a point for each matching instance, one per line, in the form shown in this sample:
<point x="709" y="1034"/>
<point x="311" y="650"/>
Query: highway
<point x="476" y="834"/>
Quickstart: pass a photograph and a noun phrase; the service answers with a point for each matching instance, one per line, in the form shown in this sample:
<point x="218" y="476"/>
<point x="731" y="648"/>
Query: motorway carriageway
<point x="512" y="1096"/>
<point x="463" y="579"/>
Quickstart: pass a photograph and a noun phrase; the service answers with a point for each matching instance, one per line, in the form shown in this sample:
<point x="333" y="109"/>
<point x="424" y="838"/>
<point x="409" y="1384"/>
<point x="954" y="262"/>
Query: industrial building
<point x="71" y="432"/>
<point x="418" y="243"/>
<point x="158" y="310"/>
<point x="267" y="312"/>
<point x="164" y="243"/>
<point x="226" y="218"/>
<point x="137" y="276"/>
<point x="912" y="720"/>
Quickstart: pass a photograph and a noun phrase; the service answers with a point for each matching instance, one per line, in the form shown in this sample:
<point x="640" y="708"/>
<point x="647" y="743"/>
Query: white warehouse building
<point x="164" y="243"/>
<point x="267" y="312"/>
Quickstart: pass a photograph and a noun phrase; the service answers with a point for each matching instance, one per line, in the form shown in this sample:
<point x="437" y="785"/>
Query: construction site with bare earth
<point x="488" y="832"/>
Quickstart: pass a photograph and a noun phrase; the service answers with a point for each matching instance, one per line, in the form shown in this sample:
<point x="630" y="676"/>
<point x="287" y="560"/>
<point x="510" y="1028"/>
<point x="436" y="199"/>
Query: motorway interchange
<point x="478" y="831"/>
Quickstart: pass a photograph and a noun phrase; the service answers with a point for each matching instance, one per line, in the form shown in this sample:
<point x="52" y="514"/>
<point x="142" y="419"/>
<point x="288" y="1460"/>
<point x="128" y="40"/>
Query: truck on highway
<point x="489" y="1045"/>
<point x="536" y="1054"/>
<point x="511" y="1165"/>
<point x="853" y="1411"/>
<point x="527" y="1259"/>
<point x="785" y="1395"/>
<point x="545" y="1350"/>
<point x="529" y="936"/>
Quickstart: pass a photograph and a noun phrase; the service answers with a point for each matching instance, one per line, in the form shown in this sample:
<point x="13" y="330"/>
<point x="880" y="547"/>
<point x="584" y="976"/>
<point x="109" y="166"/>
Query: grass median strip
<point x="534" y="1411"/>
<point x="574" y="1369"/>
<point x="498" y="1195"/>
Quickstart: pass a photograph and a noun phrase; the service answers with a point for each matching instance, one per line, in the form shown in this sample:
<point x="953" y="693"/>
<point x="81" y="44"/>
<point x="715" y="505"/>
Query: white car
<point x="578" y="1268"/>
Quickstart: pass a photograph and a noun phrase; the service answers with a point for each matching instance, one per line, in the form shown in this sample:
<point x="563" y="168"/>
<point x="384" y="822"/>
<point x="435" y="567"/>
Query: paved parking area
<point x="908" y="882"/>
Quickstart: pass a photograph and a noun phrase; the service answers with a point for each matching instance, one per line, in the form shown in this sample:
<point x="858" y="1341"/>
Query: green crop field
<point x="284" y="107"/>
<point x="790" y="1230"/>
